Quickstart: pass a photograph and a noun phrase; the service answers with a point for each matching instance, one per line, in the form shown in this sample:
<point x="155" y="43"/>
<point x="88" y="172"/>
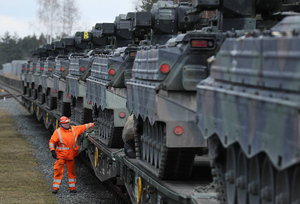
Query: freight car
<point x="166" y="157"/>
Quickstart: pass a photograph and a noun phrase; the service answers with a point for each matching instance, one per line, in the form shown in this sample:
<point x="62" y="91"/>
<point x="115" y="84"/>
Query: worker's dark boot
<point x="54" y="191"/>
<point x="73" y="191"/>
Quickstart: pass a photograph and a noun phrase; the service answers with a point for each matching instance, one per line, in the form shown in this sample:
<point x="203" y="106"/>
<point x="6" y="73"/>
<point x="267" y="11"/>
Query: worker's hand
<point x="54" y="154"/>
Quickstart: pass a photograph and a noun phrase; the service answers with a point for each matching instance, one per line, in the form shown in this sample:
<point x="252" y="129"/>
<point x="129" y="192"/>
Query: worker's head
<point x="64" y="122"/>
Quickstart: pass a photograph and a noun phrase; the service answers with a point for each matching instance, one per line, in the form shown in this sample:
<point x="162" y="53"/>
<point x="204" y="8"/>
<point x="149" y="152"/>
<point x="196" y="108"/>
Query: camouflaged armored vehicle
<point x="79" y="70"/>
<point x="248" y="109"/>
<point x="62" y="61"/>
<point x="26" y="88"/>
<point x="48" y="83"/>
<point x="106" y="85"/>
<point x="30" y="86"/>
<point x="162" y="91"/>
<point x="161" y="94"/>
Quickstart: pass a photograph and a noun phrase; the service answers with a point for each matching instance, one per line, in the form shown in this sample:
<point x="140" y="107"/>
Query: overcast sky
<point x="20" y="16"/>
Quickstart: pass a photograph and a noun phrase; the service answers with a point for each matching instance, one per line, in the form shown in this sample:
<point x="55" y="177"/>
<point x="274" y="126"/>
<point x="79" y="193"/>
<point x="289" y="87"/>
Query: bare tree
<point x="69" y="16"/>
<point x="58" y="16"/>
<point x="48" y="14"/>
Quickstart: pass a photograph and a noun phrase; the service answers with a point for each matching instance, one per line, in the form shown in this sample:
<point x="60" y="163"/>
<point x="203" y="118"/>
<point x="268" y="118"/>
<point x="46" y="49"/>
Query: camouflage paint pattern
<point x="60" y="63"/>
<point x="37" y="79"/>
<point x="171" y="97"/>
<point x="32" y="68"/>
<point x="108" y="91"/>
<point x="49" y="69"/>
<point x="76" y="78"/>
<point x="252" y="97"/>
<point x="121" y="62"/>
<point x="59" y="77"/>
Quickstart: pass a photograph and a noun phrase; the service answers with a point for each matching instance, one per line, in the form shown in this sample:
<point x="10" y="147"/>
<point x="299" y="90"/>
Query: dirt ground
<point x="20" y="181"/>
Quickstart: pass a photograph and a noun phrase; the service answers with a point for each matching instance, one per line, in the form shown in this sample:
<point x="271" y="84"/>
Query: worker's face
<point x="66" y="125"/>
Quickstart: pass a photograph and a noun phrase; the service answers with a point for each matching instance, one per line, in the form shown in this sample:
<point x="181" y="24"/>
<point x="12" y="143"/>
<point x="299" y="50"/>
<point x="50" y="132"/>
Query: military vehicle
<point x="179" y="127"/>
<point x="60" y="86"/>
<point x="106" y="85"/>
<point x="26" y="92"/>
<point x="48" y="83"/>
<point x="79" y="71"/>
<point x="248" y="110"/>
<point x="33" y="70"/>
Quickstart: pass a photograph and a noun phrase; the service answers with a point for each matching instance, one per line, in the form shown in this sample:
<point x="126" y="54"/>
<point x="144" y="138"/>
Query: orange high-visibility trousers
<point x="59" y="171"/>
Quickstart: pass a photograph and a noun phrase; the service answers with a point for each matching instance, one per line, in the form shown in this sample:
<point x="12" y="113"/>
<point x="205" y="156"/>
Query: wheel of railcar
<point x="254" y="181"/>
<point x="242" y="178"/>
<point x="267" y="183"/>
<point x="296" y="186"/>
<point x="230" y="175"/>
<point x="282" y="188"/>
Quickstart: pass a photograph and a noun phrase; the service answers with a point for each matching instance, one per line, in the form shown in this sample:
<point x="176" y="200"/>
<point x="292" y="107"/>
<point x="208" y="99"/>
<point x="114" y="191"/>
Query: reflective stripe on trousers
<point x="59" y="170"/>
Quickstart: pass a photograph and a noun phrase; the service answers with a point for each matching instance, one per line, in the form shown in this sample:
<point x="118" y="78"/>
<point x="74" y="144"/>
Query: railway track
<point x="109" y="183"/>
<point x="12" y="92"/>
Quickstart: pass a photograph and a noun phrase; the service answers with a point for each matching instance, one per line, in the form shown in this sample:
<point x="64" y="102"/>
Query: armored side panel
<point x="68" y="44"/>
<point x="254" y="84"/>
<point x="142" y="19"/>
<point x="162" y="96"/>
<point x="163" y="20"/>
<point x="39" y="71"/>
<point x="108" y="29"/>
<point x="206" y="4"/>
<point x="248" y="109"/>
<point x="106" y="90"/>
<point x="48" y="83"/>
<point x="61" y="71"/>
<point x="31" y="82"/>
<point x="98" y="40"/>
<point x="49" y="69"/>
<point x="26" y="88"/>
<point x="60" y="86"/>
<point x="79" y="70"/>
<point x="185" y="22"/>
<point x="123" y="31"/>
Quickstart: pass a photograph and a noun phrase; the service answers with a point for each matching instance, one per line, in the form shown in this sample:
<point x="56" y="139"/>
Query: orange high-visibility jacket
<point x="65" y="141"/>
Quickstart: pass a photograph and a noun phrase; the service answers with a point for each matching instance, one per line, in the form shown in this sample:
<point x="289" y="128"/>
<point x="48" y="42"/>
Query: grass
<point x="20" y="182"/>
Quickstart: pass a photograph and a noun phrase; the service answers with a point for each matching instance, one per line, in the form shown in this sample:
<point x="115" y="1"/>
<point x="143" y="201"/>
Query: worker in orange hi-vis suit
<point x="64" y="139"/>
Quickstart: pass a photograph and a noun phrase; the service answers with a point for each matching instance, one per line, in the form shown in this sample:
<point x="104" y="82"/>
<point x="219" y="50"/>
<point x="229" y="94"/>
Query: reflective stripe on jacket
<point x="65" y="141"/>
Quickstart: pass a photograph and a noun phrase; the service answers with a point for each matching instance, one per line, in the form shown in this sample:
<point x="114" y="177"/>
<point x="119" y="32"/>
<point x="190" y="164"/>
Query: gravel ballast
<point x="89" y="188"/>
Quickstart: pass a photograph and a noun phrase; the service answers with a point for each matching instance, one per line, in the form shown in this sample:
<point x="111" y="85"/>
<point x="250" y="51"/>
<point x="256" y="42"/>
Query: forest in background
<point x="14" y="48"/>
